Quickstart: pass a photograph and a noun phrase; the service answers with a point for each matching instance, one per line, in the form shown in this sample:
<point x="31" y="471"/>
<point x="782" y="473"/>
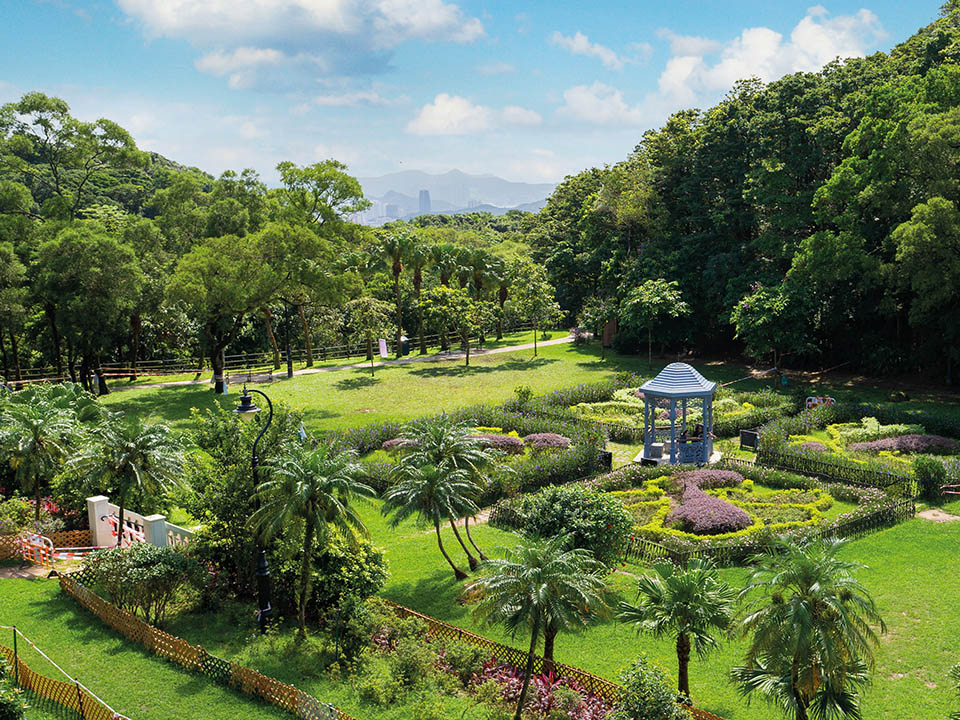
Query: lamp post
<point x="246" y="410"/>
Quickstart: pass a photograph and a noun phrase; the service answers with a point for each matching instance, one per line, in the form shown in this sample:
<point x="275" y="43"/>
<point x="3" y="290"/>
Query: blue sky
<point x="529" y="91"/>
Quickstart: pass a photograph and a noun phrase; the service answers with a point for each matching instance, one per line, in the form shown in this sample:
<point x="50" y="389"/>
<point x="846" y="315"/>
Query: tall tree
<point x="316" y="488"/>
<point x="597" y="311"/>
<point x="418" y="257"/>
<point x="533" y="298"/>
<point x="392" y="248"/>
<point x="369" y="319"/>
<point x="652" y="302"/>
<point x="539" y="585"/>
<point x="691" y="603"/>
<point x="13" y="295"/>
<point x="811" y="632"/>
<point x="318" y="194"/>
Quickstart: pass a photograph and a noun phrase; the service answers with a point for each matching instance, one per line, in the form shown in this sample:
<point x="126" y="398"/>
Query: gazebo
<point x="677" y="383"/>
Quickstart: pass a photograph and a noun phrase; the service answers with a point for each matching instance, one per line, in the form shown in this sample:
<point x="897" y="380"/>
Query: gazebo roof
<point x="679" y="380"/>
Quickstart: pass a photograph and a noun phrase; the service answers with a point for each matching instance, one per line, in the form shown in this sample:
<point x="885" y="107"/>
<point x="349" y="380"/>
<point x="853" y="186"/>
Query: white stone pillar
<point x="155" y="530"/>
<point x="98" y="506"/>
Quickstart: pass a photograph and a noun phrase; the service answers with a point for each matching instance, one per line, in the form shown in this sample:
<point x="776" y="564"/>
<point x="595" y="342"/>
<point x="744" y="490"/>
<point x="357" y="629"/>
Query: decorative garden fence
<point x="70" y="694"/>
<point x="593" y="684"/>
<point x="195" y="658"/>
<point x="66" y="538"/>
<point x="104" y="518"/>
<point x="850" y="473"/>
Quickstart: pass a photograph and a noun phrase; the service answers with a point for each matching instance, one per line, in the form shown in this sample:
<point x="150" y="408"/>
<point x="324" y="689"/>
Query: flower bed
<point x="933" y="444"/>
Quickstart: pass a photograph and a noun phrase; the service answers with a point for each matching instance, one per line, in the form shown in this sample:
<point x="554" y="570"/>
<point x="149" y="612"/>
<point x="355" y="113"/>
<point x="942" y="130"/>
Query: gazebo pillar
<point x="646" y="428"/>
<point x="707" y="428"/>
<point x="673" y="431"/>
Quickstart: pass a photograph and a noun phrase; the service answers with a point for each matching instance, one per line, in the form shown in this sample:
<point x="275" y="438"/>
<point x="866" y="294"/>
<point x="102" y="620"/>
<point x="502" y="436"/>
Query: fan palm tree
<point x="447" y="443"/>
<point x="538" y="584"/>
<point x="392" y="249"/>
<point x="499" y="274"/>
<point x="689" y="603"/>
<point x="433" y="494"/>
<point x="418" y="256"/>
<point x="810" y="624"/>
<point x="315" y="487"/>
<point x="132" y="457"/>
<point x="34" y="438"/>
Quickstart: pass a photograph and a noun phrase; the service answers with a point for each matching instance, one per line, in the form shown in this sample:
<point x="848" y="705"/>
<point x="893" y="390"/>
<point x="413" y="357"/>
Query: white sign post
<point x="383" y="348"/>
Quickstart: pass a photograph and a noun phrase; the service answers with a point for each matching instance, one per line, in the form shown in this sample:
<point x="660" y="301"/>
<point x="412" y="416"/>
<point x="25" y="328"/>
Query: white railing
<point x="104" y="518"/>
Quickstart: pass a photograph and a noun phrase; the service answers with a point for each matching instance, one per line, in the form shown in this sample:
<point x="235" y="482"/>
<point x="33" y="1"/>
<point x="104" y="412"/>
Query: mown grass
<point x="134" y="682"/>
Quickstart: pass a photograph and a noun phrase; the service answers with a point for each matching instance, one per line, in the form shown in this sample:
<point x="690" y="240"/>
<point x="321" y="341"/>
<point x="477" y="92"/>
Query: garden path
<point x="450" y="355"/>
<point x="936" y="515"/>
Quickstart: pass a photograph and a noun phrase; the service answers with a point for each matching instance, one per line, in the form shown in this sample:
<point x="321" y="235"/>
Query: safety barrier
<point x="70" y="694"/>
<point x="66" y="539"/>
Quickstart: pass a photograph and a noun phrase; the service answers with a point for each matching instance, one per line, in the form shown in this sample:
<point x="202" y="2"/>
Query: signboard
<point x="383" y="348"/>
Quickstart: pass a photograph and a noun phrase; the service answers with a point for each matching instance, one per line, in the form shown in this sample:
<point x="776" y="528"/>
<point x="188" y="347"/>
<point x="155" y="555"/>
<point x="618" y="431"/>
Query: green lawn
<point x="134" y="682"/>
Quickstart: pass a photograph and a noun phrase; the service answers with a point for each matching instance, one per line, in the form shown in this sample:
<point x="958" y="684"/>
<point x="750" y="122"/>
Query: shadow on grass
<point x="356" y="383"/>
<point x="437" y="595"/>
<point x="461" y="370"/>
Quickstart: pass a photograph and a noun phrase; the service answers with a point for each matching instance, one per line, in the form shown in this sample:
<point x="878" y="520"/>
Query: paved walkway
<point x="439" y="357"/>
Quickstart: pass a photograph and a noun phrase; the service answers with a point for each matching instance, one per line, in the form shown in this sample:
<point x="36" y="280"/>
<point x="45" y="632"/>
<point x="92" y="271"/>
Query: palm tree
<point x="33" y="439"/>
<point x="446" y="443"/>
<point x="480" y="263"/>
<point x="443" y="256"/>
<point x="536" y="585"/>
<point x="688" y="603"/>
<point x="315" y="487"/>
<point x="132" y="457"/>
<point x="418" y="256"/>
<point x="810" y="627"/>
<point x="393" y="249"/>
<point x="433" y="494"/>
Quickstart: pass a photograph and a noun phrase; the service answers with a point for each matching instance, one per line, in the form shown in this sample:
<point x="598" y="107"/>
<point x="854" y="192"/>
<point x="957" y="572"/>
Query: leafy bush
<point x="709" y="479"/>
<point x="547" y="441"/>
<point x="814" y="446"/>
<point x="461" y="659"/>
<point x="703" y="514"/>
<point x="12" y="705"/>
<point x="593" y="520"/>
<point x="932" y="444"/>
<point x="648" y="696"/>
<point x="411" y="662"/>
<point x="869" y="428"/>
<point x="378" y="685"/>
<point x="143" y="578"/>
<point x="505" y="443"/>
<point x="930" y="475"/>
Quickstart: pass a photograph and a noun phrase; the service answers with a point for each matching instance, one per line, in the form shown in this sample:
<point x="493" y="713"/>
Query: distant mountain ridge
<point x="398" y="194"/>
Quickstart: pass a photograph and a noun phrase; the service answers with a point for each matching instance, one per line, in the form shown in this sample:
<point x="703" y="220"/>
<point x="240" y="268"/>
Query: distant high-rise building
<point x="392" y="211"/>
<point x="424" y="201"/>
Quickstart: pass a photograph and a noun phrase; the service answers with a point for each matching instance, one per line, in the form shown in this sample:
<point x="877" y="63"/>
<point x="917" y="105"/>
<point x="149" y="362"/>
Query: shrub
<point x="648" y="695"/>
<point x="377" y="684"/>
<point x="814" y="446"/>
<point x="505" y="443"/>
<point x="930" y="475"/>
<point x="593" y="520"/>
<point x="703" y="514"/>
<point x="710" y="479"/>
<point x="546" y="441"/>
<point x="16" y="515"/>
<point x="461" y="659"/>
<point x="912" y="443"/>
<point x="12" y="706"/>
<point x="411" y="662"/>
<point x="144" y="578"/>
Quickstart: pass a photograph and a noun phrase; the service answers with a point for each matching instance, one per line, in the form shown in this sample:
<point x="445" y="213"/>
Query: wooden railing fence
<point x="67" y="693"/>
<point x="196" y="659"/>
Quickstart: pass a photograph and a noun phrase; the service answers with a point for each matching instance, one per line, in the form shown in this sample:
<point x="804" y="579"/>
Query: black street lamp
<point x="246" y="411"/>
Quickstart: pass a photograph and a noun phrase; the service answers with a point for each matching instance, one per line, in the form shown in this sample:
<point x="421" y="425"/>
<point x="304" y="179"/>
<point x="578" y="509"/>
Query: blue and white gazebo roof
<point x="679" y="380"/>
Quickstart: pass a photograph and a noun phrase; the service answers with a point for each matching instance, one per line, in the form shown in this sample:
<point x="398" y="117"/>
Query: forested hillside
<point x="810" y="221"/>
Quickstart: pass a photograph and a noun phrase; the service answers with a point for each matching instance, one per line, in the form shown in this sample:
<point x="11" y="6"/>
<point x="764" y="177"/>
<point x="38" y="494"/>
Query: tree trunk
<point x="6" y="361"/>
<point x="528" y="671"/>
<point x="102" y="388"/>
<point x="85" y="373"/>
<point x="120" y="522"/>
<point x="396" y="289"/>
<point x="306" y="335"/>
<point x="536" y="331"/>
<point x="286" y="342"/>
<point x="417" y="281"/>
<point x="15" y="351"/>
<point x="216" y="362"/>
<point x="683" y="660"/>
<point x="36" y="499"/>
<point x="305" y="579"/>
<point x="370" y="355"/>
<point x="71" y="362"/>
<point x="466" y="526"/>
<point x="457" y="572"/>
<point x="471" y="560"/>
<point x="466" y="341"/>
<point x="502" y="298"/>
<point x="549" y="636"/>
<point x="51" y="314"/>
<point x="268" y="321"/>
<point x="136" y="325"/>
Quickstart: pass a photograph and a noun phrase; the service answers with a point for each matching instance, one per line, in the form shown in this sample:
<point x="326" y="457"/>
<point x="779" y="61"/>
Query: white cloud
<point x="495" y="68"/>
<point x="600" y="104"/>
<point x="579" y="44"/>
<point x="305" y="38"/>
<point x="352" y="99"/>
<point x="454" y="115"/>
<point x="761" y="52"/>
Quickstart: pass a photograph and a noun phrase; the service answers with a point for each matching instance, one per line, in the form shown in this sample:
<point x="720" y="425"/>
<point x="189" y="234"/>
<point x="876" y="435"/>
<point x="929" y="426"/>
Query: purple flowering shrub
<point x="710" y="479"/>
<point x="814" y="446"/>
<point x="546" y="441"/>
<point x="935" y="444"/>
<point x="703" y="514"/>
<point x="544" y="696"/>
<point x="397" y="443"/>
<point x="505" y="443"/>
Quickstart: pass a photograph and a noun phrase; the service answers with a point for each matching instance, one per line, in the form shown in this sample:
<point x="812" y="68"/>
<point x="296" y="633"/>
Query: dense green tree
<point x="652" y="302"/>
<point x="690" y="602"/>
<point x="771" y="323"/>
<point x="392" y="249"/>
<point x="13" y="296"/>
<point x="318" y="194"/>
<point x="533" y="298"/>
<point x="370" y="319"/>
<point x="453" y="310"/>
